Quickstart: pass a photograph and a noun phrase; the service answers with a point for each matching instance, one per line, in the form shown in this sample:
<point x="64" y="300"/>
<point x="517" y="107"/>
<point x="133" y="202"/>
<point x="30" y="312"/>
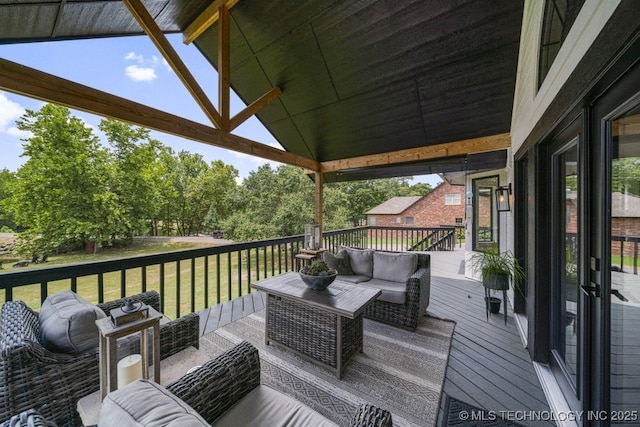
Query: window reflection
<point x="625" y="281"/>
<point x="485" y="215"/>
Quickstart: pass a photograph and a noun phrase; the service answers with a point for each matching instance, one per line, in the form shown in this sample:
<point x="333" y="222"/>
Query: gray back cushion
<point x="339" y="262"/>
<point x="68" y="323"/>
<point x="145" y="403"/>
<point x="394" y="267"/>
<point x="360" y="260"/>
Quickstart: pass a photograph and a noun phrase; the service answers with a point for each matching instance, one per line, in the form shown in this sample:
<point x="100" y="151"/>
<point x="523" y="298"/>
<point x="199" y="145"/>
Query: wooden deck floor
<point x="488" y="366"/>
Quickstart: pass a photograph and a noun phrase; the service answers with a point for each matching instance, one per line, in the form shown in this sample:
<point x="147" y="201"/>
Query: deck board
<point x="225" y="313"/>
<point x="247" y="304"/>
<point x="488" y="365"/>
<point x="237" y="309"/>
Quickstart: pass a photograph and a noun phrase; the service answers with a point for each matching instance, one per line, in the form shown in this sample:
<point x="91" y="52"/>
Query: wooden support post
<point x="319" y="200"/>
<point x="224" y="67"/>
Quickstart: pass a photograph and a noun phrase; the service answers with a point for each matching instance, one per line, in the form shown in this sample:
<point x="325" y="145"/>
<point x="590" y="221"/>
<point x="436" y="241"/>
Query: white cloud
<point x="145" y="68"/>
<point x="9" y="112"/>
<point x="132" y="56"/>
<point x="22" y="134"/>
<point x="140" y="74"/>
<point x="239" y="180"/>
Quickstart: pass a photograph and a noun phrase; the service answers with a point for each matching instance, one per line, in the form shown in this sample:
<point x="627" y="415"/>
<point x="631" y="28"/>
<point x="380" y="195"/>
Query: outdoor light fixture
<point x="312" y="236"/>
<point x="502" y="198"/>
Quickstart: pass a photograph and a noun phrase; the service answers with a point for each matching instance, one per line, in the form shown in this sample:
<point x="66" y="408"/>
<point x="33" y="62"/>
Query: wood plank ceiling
<point x="369" y="88"/>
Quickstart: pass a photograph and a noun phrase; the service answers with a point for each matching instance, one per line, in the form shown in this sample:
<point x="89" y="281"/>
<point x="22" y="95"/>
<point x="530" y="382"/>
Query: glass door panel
<point x="567" y="302"/>
<point x="485" y="217"/>
<point x="624" y="305"/>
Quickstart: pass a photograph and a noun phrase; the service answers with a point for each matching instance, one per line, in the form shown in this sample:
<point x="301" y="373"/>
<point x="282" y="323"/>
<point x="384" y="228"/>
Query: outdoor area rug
<point x="459" y="413"/>
<point x="400" y="371"/>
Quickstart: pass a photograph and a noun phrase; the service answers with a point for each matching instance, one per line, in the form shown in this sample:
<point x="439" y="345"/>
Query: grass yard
<point x="227" y="273"/>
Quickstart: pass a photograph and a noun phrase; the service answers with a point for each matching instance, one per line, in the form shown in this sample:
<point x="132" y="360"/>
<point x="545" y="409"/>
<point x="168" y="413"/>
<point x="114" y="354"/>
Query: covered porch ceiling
<point x="356" y="89"/>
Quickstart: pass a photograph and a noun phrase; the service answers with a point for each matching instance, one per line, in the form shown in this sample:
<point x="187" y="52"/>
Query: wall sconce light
<point x="502" y="198"/>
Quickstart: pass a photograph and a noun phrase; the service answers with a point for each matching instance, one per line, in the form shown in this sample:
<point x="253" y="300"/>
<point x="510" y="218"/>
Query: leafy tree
<point x="6" y="217"/>
<point x="279" y="202"/>
<point x="63" y="191"/>
<point x="626" y="175"/>
<point x="271" y="203"/>
<point x="135" y="174"/>
<point x="197" y="191"/>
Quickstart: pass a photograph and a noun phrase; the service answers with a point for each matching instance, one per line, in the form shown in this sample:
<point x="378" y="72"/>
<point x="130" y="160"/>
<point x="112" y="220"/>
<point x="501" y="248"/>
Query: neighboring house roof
<point x="394" y="205"/>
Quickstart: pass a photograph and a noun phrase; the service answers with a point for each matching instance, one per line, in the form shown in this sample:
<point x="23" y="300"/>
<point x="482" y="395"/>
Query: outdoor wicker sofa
<point x="403" y="277"/>
<point x="28" y="418"/>
<point x="224" y="391"/>
<point x="32" y="377"/>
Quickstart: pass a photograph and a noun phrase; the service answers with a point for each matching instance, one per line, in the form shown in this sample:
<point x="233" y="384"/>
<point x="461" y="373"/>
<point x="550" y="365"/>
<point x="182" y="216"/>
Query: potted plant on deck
<point x="318" y="276"/>
<point x="499" y="270"/>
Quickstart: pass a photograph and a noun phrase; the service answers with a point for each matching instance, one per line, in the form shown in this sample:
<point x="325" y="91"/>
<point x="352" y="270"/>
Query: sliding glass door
<point x="623" y="299"/>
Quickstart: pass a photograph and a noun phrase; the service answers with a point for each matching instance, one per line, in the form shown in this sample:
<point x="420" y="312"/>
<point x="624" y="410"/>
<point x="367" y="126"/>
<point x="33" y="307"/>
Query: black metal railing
<point x="626" y="247"/>
<point x="624" y="251"/>
<point x="194" y="279"/>
<point x="412" y="238"/>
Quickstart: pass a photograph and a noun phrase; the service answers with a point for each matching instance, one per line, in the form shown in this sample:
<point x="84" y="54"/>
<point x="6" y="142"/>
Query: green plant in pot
<point x="318" y="276"/>
<point x="499" y="270"/>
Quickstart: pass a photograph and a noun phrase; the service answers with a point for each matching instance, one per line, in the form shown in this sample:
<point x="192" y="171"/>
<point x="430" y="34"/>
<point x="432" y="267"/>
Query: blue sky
<point x="132" y="68"/>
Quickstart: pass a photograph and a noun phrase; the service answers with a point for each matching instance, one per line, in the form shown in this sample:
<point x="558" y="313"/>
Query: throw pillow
<point x="68" y="323"/>
<point x="145" y="403"/>
<point x="339" y="262"/>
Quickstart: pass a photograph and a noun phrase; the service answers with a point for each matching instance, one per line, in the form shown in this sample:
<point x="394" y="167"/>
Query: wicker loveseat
<point x="403" y="277"/>
<point x="224" y="391"/>
<point x="32" y="377"/>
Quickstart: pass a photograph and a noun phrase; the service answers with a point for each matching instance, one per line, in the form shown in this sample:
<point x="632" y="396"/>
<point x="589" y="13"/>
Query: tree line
<point x="74" y="192"/>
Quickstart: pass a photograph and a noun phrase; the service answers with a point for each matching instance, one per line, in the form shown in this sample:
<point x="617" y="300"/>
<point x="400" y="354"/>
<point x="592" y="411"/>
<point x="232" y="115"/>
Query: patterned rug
<point x="400" y="371"/>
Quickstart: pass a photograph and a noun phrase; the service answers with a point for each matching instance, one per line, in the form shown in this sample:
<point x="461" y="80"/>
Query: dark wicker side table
<point x="324" y="327"/>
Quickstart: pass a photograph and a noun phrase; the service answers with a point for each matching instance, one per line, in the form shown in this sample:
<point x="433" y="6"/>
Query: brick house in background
<point x="444" y="206"/>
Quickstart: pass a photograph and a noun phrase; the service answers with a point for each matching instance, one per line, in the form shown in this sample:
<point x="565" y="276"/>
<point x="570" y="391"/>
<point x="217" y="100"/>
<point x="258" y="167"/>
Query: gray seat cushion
<point x="394" y="292"/>
<point x="145" y="403"/>
<point x="395" y="267"/>
<point x="353" y="278"/>
<point x="264" y="406"/>
<point x="68" y="323"/>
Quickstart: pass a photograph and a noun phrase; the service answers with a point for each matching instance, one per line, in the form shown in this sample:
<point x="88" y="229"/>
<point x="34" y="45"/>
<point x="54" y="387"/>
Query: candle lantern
<point x="312" y="236"/>
<point x="114" y="373"/>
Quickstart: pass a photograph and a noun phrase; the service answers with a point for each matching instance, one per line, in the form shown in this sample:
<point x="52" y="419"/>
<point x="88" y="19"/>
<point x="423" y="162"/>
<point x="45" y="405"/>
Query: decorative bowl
<point x="318" y="283"/>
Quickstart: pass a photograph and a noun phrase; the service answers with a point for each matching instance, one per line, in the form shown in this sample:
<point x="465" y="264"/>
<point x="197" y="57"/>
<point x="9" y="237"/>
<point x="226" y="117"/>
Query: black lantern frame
<point x="503" y="196"/>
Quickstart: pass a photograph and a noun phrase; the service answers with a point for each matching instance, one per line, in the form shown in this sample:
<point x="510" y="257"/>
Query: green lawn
<point x="224" y="289"/>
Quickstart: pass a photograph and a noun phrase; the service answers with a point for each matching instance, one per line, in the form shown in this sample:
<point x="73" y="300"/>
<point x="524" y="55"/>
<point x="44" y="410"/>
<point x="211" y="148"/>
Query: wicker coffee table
<point x="322" y="326"/>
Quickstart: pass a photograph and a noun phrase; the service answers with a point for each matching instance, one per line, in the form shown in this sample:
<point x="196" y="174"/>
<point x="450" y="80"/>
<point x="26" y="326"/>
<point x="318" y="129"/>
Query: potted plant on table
<point x="499" y="269"/>
<point x="318" y="276"/>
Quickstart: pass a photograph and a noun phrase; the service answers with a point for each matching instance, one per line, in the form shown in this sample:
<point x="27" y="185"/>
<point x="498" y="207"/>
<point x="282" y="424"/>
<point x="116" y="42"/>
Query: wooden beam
<point x="149" y="26"/>
<point x="449" y="149"/>
<point x="206" y="19"/>
<point x="221" y="14"/>
<point x="29" y="82"/>
<point x="256" y="106"/>
<point x="224" y="68"/>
